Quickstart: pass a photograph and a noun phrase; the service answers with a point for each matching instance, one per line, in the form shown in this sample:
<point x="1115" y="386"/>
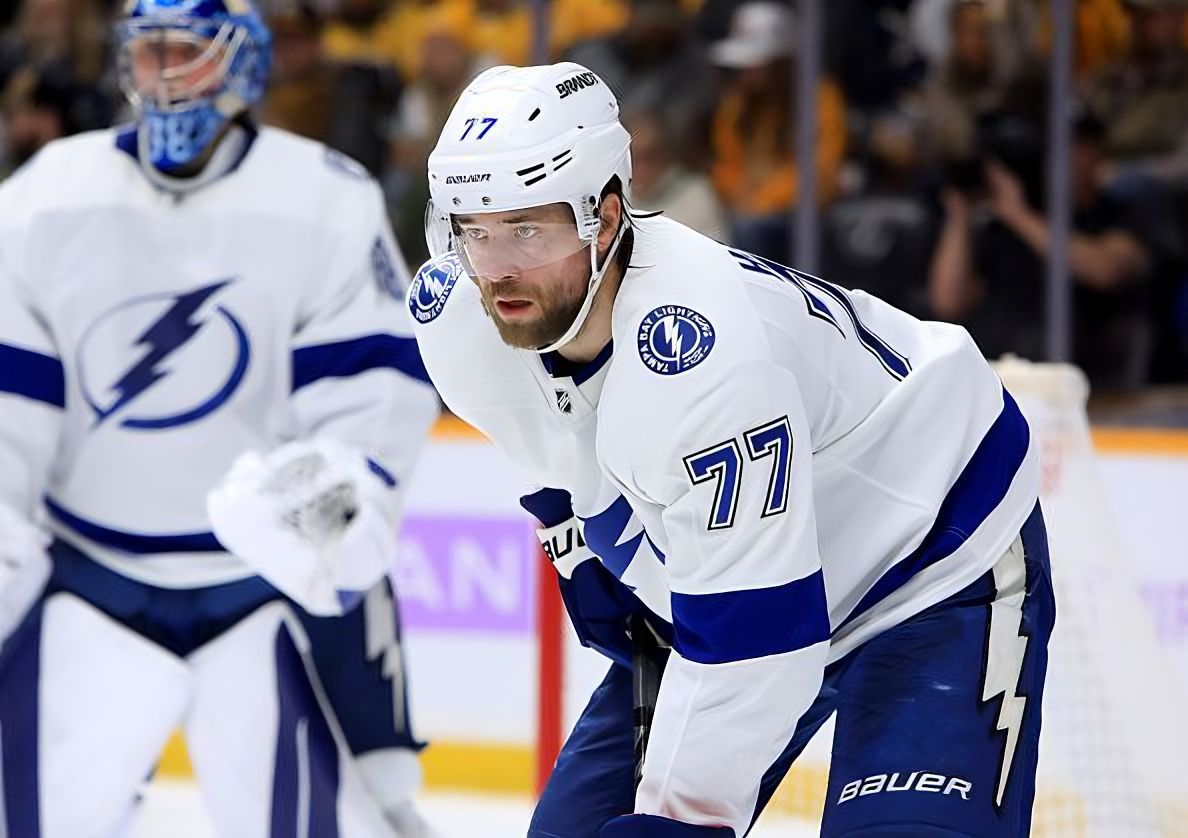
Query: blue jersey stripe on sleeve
<point x="132" y="542"/>
<point x="747" y="624"/>
<point x="32" y="375"/>
<point x="344" y="359"/>
<point x="978" y="490"/>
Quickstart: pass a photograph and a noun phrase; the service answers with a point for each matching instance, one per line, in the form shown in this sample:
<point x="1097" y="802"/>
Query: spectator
<point x="1102" y="31"/>
<point x="448" y="64"/>
<point x="1143" y="99"/>
<point x="655" y="63"/>
<point x="574" y="21"/>
<point x="346" y="104"/>
<point x="660" y="181"/>
<point x="974" y="79"/>
<point x="869" y="44"/>
<point x="390" y="32"/>
<point x="69" y="35"/>
<point x="502" y="32"/>
<point x="754" y="158"/>
<point x="301" y="91"/>
<point x="36" y="110"/>
<point x="988" y="269"/>
<point x="68" y="40"/>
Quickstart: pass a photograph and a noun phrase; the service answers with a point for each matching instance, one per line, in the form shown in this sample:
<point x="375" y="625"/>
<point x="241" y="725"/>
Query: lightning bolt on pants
<point x="938" y="721"/>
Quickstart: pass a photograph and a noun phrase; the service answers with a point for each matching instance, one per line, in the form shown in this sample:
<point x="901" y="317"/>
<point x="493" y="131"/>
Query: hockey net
<point x="1114" y="747"/>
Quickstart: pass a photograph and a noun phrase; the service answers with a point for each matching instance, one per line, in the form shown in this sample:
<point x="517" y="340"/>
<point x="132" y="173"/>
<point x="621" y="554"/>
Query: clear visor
<point x="172" y="67"/>
<point x="508" y="243"/>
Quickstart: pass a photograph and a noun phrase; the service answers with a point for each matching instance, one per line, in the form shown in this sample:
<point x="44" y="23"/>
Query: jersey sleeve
<point x="32" y="388"/>
<point x="357" y="376"/>
<point x="724" y="451"/>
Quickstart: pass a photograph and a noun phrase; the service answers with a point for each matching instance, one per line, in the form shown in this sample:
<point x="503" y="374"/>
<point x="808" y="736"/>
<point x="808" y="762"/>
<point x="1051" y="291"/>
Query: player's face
<point x="173" y="66"/>
<point x="532" y="270"/>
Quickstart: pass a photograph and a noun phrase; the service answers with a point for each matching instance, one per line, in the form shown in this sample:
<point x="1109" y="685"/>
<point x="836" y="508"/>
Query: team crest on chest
<point x="164" y="360"/>
<point x="673" y="339"/>
<point x="432" y="288"/>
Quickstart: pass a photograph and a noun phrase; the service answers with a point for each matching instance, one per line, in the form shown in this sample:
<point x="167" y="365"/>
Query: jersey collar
<point x="558" y="366"/>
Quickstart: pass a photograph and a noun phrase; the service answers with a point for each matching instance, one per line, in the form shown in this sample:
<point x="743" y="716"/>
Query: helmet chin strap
<point x="596" y="275"/>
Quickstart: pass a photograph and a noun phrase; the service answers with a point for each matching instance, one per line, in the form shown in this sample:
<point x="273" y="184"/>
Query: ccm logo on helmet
<point x="468" y="178"/>
<point x="575" y="83"/>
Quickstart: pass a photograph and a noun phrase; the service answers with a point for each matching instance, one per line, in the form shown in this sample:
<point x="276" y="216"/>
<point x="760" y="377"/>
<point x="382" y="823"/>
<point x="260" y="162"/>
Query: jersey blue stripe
<point x="351" y="357"/>
<point x="755" y="623"/>
<point x="382" y="473"/>
<point x="20" y="732"/>
<point x="32" y="375"/>
<point x="603" y="531"/>
<point x="977" y="492"/>
<point x="132" y="542"/>
<point x="895" y="363"/>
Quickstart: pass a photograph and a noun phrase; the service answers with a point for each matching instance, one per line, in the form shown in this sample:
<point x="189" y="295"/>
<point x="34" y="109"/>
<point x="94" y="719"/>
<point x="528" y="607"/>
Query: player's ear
<point x="610" y="213"/>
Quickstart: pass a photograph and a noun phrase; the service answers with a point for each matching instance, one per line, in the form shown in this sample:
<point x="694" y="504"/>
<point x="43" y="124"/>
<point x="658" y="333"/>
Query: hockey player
<point x="173" y="295"/>
<point x="823" y="504"/>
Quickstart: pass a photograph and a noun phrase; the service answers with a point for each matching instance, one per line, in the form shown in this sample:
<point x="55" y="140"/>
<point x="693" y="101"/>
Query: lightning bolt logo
<point x="672" y="335"/>
<point x="170" y="332"/>
<point x="383" y="644"/>
<point x="432" y="287"/>
<point x="1004" y="654"/>
<point x="673" y="339"/>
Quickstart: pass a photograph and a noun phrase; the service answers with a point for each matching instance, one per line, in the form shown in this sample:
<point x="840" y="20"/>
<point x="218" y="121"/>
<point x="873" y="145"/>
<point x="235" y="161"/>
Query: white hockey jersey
<point x="147" y="340"/>
<point x="779" y="468"/>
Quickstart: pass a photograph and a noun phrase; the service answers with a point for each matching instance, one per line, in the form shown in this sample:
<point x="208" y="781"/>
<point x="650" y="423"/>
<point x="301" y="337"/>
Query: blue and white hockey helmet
<point x="188" y="67"/>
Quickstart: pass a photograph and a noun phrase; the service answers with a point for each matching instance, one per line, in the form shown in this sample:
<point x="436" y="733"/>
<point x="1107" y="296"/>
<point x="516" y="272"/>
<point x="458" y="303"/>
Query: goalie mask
<point x="188" y="67"/>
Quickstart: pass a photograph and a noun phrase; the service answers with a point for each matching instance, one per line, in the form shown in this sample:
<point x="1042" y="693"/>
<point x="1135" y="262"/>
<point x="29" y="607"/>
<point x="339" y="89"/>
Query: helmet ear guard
<point x="524" y="137"/>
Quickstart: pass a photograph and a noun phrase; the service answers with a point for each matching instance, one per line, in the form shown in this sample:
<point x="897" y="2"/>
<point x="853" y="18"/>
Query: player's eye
<point x="474" y="234"/>
<point x="527" y="231"/>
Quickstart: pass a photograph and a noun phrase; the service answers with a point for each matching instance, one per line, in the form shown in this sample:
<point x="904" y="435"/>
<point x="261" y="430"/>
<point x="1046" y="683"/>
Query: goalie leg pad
<point x="85" y="707"/>
<point x="268" y="752"/>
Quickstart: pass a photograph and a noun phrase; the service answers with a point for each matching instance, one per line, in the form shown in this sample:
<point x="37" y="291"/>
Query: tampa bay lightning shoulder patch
<point x="673" y="339"/>
<point x="430" y="290"/>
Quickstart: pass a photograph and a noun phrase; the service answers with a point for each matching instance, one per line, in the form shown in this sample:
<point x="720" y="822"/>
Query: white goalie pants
<point x="86" y="705"/>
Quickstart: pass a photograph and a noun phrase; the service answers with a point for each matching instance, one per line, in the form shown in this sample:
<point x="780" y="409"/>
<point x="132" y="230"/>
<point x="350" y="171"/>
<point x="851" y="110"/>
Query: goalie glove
<point x="24" y="567"/>
<point x="314" y="518"/>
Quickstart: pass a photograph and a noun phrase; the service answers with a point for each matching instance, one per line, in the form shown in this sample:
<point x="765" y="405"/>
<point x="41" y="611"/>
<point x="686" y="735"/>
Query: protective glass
<point x="172" y="67"/>
<point x="511" y="244"/>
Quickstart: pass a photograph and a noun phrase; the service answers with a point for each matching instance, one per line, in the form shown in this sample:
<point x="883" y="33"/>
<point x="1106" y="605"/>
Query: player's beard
<point x="559" y="301"/>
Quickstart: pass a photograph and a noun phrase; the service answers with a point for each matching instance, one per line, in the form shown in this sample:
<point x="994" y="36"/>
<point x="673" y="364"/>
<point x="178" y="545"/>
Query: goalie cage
<point x="1114" y="746"/>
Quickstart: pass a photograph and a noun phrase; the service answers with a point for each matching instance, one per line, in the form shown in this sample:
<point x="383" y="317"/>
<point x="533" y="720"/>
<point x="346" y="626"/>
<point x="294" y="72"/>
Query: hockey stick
<point x="647" y="667"/>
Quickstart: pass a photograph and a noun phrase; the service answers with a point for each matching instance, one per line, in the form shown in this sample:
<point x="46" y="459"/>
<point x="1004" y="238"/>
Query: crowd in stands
<point x="931" y="131"/>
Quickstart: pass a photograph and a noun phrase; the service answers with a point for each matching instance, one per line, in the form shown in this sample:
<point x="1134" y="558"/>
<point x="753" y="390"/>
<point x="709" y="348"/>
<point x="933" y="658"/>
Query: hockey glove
<point x="654" y="826"/>
<point x="598" y="604"/>
<point x="311" y="518"/>
<point x="24" y="567"/>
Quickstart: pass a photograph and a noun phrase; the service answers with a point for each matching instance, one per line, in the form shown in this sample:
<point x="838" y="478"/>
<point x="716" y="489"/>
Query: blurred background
<point x="1019" y="167"/>
<point x="915" y="161"/>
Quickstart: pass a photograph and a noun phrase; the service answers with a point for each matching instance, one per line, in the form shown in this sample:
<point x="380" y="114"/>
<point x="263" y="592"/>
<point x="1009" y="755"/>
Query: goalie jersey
<point x="146" y="340"/>
<point x="779" y="470"/>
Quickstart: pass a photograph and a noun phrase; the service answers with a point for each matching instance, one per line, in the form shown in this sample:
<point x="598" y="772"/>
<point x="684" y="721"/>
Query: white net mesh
<point x="1114" y="748"/>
